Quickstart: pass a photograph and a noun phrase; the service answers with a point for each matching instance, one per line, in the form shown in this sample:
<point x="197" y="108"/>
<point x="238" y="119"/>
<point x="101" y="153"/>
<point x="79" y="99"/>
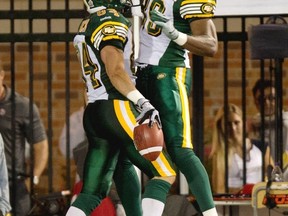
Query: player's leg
<point x="154" y="196"/>
<point x="99" y="166"/>
<point x="160" y="170"/>
<point x="125" y="177"/>
<point x="161" y="175"/>
<point x="168" y="93"/>
<point x="179" y="146"/>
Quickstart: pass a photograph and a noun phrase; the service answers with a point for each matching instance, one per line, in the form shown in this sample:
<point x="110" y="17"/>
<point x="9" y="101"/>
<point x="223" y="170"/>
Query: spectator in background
<point x="4" y="185"/>
<point x="267" y="100"/>
<point x="24" y="130"/>
<point x="235" y="144"/>
<point x="78" y="141"/>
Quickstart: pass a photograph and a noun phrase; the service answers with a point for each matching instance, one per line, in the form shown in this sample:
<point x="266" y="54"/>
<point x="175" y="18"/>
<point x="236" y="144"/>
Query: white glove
<point x="168" y="28"/>
<point x="147" y="111"/>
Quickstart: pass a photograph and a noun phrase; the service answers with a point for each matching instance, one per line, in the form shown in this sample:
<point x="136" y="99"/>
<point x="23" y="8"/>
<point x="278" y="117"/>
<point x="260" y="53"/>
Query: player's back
<point x="105" y="27"/>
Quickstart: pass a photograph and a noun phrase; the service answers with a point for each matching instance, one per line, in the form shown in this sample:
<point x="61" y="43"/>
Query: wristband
<point x="181" y="39"/>
<point x="134" y="96"/>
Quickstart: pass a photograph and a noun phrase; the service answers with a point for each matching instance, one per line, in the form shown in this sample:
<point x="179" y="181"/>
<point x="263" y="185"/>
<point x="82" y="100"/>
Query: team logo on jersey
<point x="207" y="8"/>
<point x="109" y="30"/>
<point x="161" y="76"/>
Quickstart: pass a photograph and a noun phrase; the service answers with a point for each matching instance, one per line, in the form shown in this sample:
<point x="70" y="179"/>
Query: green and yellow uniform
<point x="164" y="77"/>
<point x="109" y="120"/>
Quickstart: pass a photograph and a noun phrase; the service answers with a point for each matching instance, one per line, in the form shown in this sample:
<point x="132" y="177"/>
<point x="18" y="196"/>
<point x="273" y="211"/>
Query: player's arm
<point x="204" y="40"/>
<point x="113" y="59"/>
<point x="114" y="62"/>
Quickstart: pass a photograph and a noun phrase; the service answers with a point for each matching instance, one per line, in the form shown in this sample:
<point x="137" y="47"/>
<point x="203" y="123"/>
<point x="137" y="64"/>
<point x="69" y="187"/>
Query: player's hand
<point x="167" y="24"/>
<point x="147" y="111"/>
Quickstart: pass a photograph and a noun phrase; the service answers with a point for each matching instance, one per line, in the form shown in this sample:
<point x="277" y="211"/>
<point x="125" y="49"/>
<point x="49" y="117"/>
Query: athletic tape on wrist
<point x="182" y="39"/>
<point x="134" y="96"/>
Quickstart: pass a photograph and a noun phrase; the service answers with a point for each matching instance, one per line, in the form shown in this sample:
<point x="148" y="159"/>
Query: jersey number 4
<point x="90" y="69"/>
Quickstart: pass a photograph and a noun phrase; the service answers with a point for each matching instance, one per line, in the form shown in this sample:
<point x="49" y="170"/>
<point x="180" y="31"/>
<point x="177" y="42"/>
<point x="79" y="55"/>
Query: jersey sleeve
<point x="113" y="30"/>
<point x="194" y="9"/>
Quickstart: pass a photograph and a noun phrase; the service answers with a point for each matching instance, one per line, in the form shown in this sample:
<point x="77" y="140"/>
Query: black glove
<point x="147" y="111"/>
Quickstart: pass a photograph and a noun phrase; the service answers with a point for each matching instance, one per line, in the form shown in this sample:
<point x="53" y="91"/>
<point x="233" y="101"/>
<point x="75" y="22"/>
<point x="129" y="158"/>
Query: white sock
<point x="152" y="207"/>
<point x="210" y="212"/>
<point x="73" y="211"/>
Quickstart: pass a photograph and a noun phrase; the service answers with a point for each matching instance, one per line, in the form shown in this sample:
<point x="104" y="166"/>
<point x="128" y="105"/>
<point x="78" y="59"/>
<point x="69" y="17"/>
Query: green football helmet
<point x="91" y="5"/>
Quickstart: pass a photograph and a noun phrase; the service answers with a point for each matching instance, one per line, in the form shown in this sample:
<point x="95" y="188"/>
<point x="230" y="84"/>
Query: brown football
<point x="148" y="141"/>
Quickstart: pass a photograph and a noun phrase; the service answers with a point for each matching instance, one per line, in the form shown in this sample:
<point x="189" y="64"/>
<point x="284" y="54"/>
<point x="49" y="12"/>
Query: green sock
<point x="197" y="178"/>
<point x="157" y="189"/>
<point x="129" y="191"/>
<point x="87" y="202"/>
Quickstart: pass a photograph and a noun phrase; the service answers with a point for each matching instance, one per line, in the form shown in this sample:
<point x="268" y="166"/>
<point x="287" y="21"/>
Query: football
<point x="149" y="141"/>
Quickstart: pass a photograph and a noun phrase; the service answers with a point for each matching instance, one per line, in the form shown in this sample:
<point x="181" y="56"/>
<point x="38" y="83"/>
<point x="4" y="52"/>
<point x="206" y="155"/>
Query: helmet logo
<point x="109" y="30"/>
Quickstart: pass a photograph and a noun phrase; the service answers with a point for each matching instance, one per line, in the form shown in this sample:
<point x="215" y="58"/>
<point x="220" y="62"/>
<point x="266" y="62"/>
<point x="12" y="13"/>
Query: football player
<point x="114" y="108"/>
<point x="171" y="29"/>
